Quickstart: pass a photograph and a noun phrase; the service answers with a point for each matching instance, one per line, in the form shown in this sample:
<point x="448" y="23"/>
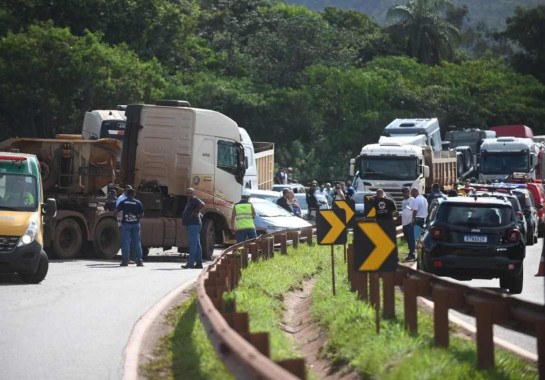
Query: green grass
<point x="186" y="352"/>
<point x="263" y="285"/>
<point x="394" y="353"/>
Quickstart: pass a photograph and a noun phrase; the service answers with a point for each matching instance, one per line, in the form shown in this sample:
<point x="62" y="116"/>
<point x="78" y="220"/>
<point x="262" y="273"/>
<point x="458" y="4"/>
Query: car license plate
<point x="475" y="238"/>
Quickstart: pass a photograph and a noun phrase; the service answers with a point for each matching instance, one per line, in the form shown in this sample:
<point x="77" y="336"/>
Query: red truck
<point x="517" y="130"/>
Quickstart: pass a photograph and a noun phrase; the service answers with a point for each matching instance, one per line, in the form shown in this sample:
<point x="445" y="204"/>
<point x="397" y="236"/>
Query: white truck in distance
<point x="503" y="156"/>
<point x="409" y="155"/>
<point x="171" y="146"/>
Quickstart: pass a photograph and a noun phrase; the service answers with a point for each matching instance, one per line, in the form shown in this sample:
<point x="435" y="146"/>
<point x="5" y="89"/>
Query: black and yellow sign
<point x="349" y="206"/>
<point x="368" y="210"/>
<point x="375" y="246"/>
<point x="330" y="227"/>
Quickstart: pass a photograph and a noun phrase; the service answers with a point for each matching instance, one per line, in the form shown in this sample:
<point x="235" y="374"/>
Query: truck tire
<point x="67" y="239"/>
<point x="460" y="170"/>
<point x="107" y="239"/>
<point x="41" y="271"/>
<point x="208" y="238"/>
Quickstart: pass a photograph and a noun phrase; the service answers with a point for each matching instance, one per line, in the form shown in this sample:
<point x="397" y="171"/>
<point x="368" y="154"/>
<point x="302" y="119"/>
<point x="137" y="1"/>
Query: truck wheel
<point x="208" y="238"/>
<point x="41" y="272"/>
<point x="515" y="285"/>
<point x="67" y="239"/>
<point x="505" y="282"/>
<point x="107" y="239"/>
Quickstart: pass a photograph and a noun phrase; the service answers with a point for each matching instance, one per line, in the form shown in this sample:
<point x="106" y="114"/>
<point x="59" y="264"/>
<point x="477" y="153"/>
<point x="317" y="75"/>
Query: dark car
<point x="474" y="238"/>
<point x="517" y="208"/>
<point x="530" y="213"/>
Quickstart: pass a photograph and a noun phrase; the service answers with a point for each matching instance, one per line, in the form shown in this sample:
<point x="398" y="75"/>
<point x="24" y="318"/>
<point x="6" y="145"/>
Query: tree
<point x="49" y="78"/>
<point x="427" y="36"/>
<point x="527" y="29"/>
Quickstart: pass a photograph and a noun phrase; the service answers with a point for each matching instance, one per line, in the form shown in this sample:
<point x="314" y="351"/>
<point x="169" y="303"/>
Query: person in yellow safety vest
<point x="242" y="219"/>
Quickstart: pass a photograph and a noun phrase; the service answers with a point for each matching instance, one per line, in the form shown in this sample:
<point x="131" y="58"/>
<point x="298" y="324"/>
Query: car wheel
<point x="515" y="285"/>
<point x="41" y="271"/>
<point x="505" y="282"/>
<point x="208" y="238"/>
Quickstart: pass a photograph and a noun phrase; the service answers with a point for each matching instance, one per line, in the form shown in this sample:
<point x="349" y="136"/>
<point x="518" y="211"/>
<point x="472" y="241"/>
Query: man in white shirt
<point x="420" y="212"/>
<point x="407" y="222"/>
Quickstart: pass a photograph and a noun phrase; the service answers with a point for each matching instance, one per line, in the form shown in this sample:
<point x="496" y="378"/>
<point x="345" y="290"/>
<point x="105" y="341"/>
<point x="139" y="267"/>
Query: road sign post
<point x="331" y="230"/>
<point x="349" y="206"/>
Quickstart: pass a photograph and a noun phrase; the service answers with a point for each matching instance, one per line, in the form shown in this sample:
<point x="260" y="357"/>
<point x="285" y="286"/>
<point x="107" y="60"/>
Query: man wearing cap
<point x="242" y="219"/>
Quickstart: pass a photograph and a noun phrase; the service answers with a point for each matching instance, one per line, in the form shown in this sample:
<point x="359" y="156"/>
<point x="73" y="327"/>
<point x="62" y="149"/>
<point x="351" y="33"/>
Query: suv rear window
<point x="475" y="215"/>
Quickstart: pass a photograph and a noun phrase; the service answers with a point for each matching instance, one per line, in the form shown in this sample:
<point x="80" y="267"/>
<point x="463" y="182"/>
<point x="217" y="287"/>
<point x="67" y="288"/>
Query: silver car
<point x="271" y="218"/>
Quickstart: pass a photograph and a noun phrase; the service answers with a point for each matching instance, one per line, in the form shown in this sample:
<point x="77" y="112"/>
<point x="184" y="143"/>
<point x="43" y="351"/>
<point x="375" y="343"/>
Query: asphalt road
<point x="532" y="291"/>
<point x="76" y="323"/>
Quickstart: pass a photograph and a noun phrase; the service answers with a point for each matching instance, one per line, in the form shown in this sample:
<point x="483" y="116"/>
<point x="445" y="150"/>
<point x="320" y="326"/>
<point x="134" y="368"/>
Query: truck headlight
<point x="30" y="234"/>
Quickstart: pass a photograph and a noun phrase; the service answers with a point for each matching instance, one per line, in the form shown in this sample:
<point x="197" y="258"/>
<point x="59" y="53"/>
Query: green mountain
<point x="493" y="13"/>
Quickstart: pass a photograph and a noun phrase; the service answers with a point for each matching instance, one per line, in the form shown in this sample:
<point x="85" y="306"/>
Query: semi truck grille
<point x="8" y="243"/>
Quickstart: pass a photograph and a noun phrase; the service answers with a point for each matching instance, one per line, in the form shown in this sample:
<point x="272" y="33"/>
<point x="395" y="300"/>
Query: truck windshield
<point x="18" y="192"/>
<point x="505" y="163"/>
<point x="114" y="129"/>
<point x="388" y="168"/>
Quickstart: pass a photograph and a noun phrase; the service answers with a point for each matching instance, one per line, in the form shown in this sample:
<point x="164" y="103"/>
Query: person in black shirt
<point x="192" y="220"/>
<point x="385" y="208"/>
<point x="312" y="201"/>
<point x="284" y="201"/>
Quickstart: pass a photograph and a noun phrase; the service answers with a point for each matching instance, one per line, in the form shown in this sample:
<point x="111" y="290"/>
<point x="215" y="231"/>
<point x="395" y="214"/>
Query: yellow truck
<point x="22" y="209"/>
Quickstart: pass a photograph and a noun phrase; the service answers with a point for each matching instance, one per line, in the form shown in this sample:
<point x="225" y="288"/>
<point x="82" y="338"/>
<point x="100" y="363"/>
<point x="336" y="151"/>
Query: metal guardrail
<point x="247" y="354"/>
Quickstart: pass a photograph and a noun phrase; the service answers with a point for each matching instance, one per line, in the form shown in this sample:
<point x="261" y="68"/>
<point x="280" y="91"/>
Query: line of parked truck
<point x="160" y="149"/>
<point x="411" y="153"/>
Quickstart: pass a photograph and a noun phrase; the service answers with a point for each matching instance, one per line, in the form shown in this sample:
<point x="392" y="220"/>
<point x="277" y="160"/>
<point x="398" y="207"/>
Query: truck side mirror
<point x="49" y="208"/>
<point x="426" y="171"/>
<point x="352" y="164"/>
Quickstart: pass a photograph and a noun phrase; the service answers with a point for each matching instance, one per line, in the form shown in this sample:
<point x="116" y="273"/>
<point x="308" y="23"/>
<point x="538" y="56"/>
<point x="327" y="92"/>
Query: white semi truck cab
<point x="503" y="156"/>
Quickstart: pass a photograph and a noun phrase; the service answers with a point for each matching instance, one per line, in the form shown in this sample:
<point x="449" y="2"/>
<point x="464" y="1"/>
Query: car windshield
<point x="475" y="215"/>
<point x="269" y="209"/>
<point x="18" y="192"/>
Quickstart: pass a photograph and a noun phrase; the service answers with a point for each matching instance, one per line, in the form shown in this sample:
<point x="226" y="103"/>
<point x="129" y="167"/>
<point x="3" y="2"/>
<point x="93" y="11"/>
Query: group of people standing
<point x="413" y="216"/>
<point x="130" y="210"/>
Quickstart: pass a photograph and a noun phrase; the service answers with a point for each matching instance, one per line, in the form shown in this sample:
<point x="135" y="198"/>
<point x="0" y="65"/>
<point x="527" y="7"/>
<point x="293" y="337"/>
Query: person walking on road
<point x="132" y="210"/>
<point x="407" y="222"/>
<point x="242" y="219"/>
<point x="420" y="212"/>
<point x="192" y="220"/>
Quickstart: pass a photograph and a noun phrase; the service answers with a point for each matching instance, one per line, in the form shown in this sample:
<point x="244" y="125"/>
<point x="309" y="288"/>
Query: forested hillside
<point x="491" y="13"/>
<point x="318" y="84"/>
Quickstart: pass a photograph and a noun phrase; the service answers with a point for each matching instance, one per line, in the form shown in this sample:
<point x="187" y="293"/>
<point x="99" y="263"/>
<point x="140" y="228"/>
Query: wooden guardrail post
<point x="260" y="341"/>
<point x="413" y="287"/>
<point x="374" y="290"/>
<point x="282" y="239"/>
<point x="350" y="267"/>
<point x="295" y="366"/>
<point x="361" y="281"/>
<point x="294" y="237"/>
<point x="388" y="294"/>
<point x="308" y="234"/>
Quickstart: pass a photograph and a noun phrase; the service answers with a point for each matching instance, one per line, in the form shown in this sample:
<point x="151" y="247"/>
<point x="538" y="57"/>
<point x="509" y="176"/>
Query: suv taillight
<point x="437" y="232"/>
<point x="513" y="236"/>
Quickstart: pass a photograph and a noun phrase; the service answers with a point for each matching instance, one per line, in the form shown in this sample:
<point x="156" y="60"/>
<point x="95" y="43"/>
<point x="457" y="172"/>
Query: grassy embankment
<point x="393" y="354"/>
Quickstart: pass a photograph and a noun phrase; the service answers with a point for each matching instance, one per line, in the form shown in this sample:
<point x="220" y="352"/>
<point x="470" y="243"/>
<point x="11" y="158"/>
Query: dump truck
<point x="170" y="146"/>
<point x="409" y="154"/>
<point x="75" y="173"/>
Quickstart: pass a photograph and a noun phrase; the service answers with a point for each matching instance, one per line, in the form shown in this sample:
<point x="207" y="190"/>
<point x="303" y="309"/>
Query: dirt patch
<point x="309" y="336"/>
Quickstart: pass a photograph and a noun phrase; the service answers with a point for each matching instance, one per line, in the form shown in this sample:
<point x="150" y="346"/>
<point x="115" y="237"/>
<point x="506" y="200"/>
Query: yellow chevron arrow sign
<point x="331" y="227"/>
<point x="346" y="207"/>
<point x="383" y="246"/>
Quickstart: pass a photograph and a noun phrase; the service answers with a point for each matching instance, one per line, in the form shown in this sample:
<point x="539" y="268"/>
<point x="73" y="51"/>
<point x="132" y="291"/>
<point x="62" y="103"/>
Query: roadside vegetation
<point x="350" y="324"/>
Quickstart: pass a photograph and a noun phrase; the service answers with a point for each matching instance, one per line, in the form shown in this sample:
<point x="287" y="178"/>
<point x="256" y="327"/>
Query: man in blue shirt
<point x="132" y="210"/>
